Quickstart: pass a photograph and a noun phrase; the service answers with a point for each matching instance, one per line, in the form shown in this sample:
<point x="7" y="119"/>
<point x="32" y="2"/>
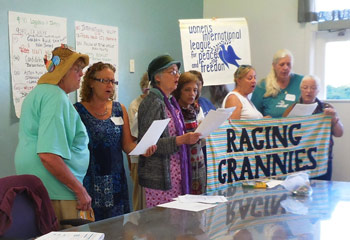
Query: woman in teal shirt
<point x="275" y="93"/>
<point x="52" y="138"/>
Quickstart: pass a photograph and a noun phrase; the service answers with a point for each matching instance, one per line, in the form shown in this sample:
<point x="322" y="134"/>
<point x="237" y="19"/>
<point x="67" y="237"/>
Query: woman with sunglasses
<point x="107" y="124"/>
<point x="167" y="173"/>
<point x="245" y="80"/>
<point x="275" y="93"/>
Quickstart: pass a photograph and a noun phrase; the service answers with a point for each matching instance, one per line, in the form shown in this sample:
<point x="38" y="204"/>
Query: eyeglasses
<point x="245" y="66"/>
<point x="174" y="72"/>
<point x="312" y="88"/>
<point x="240" y="69"/>
<point x="106" y="81"/>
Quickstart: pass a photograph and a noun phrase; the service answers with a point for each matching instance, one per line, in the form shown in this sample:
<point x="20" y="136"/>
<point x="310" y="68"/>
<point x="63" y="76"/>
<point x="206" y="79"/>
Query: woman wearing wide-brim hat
<point x="52" y="138"/>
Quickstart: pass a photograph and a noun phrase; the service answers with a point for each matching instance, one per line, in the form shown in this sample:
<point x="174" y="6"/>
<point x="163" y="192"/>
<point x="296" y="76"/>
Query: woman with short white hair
<point x="309" y="88"/>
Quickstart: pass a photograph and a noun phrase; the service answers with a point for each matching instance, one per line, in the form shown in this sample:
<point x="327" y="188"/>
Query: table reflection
<point x="248" y="214"/>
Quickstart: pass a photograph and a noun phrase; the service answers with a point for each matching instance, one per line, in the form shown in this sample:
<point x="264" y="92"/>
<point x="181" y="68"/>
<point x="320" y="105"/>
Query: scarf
<point x="186" y="175"/>
<point x="191" y="112"/>
<point x="190" y="116"/>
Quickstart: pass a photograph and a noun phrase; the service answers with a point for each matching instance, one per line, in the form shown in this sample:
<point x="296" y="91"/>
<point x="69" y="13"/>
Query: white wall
<point x="273" y="25"/>
<point x="341" y="162"/>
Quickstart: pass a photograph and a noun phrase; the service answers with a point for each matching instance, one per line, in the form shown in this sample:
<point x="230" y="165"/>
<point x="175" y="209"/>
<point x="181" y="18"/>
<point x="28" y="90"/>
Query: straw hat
<point x="62" y="60"/>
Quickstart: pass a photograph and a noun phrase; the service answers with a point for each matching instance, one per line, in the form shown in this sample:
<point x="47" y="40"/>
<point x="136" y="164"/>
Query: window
<point x="337" y="72"/>
<point x="332" y="51"/>
<point x="327" y="5"/>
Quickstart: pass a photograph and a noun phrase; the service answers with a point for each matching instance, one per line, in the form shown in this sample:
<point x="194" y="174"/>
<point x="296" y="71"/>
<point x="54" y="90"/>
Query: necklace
<point x="102" y="114"/>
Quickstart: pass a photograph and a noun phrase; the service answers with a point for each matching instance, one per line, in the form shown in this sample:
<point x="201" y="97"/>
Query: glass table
<point x="248" y="214"/>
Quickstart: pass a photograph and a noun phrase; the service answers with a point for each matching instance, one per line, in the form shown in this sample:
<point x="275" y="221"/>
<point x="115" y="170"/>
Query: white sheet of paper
<point x="72" y="236"/>
<point x="273" y="183"/>
<point x="194" y="207"/>
<point x="189" y="198"/>
<point x="301" y="109"/>
<point x="151" y="136"/>
<point x="213" y="120"/>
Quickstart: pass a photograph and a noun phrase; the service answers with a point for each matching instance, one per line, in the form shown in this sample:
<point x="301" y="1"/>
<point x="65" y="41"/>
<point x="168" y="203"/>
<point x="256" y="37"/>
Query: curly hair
<point x="90" y="75"/>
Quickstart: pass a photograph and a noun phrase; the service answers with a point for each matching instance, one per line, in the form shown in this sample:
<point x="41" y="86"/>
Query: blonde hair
<point x="144" y="83"/>
<point x="90" y="75"/>
<point x="242" y="71"/>
<point x="271" y="85"/>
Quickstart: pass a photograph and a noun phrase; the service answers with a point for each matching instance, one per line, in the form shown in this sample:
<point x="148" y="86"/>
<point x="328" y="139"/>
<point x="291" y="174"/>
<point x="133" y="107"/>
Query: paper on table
<point x="151" y="136"/>
<point x="301" y="109"/>
<point x="273" y="183"/>
<point x="189" y="198"/>
<point x="194" y="207"/>
<point x="213" y="120"/>
<point x="72" y="236"/>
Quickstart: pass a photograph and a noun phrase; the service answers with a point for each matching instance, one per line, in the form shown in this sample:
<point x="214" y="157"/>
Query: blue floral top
<point x="105" y="180"/>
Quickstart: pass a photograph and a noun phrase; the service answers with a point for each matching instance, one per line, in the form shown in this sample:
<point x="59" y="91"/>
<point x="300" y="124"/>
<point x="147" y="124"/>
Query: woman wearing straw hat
<point x="52" y="138"/>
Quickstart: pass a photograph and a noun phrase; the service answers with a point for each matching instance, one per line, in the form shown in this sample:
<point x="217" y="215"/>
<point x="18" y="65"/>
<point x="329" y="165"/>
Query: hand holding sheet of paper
<point x="300" y="110"/>
<point x="213" y="120"/>
<point x="151" y="136"/>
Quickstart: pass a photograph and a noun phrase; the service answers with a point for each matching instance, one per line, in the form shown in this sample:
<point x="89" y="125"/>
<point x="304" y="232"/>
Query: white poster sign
<point x="31" y="37"/>
<point x="100" y="42"/>
<point x="215" y="47"/>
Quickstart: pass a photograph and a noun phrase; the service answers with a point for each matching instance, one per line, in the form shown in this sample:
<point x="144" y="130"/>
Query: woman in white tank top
<point x="245" y="79"/>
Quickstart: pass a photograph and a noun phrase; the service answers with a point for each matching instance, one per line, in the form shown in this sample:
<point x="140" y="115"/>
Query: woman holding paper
<point x="186" y="94"/>
<point x="167" y="173"/>
<point x="245" y="80"/>
<point x="309" y="88"/>
<point x="107" y="124"/>
<point x="275" y="93"/>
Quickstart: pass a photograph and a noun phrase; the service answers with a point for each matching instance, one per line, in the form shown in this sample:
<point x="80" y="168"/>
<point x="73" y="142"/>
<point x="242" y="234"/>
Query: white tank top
<point x="248" y="109"/>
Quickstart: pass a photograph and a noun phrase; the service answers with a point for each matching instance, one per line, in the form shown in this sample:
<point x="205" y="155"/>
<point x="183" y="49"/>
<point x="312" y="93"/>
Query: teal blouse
<point x="275" y="106"/>
<point x="50" y="124"/>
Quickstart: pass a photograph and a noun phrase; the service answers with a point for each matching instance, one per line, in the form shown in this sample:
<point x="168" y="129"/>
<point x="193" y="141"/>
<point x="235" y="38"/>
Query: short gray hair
<point x="315" y="78"/>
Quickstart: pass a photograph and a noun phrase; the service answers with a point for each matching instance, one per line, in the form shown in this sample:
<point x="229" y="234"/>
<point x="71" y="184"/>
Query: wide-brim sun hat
<point x="160" y="63"/>
<point x="62" y="60"/>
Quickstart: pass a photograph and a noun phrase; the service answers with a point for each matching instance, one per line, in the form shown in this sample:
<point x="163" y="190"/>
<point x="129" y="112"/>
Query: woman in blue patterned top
<point x="108" y="128"/>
